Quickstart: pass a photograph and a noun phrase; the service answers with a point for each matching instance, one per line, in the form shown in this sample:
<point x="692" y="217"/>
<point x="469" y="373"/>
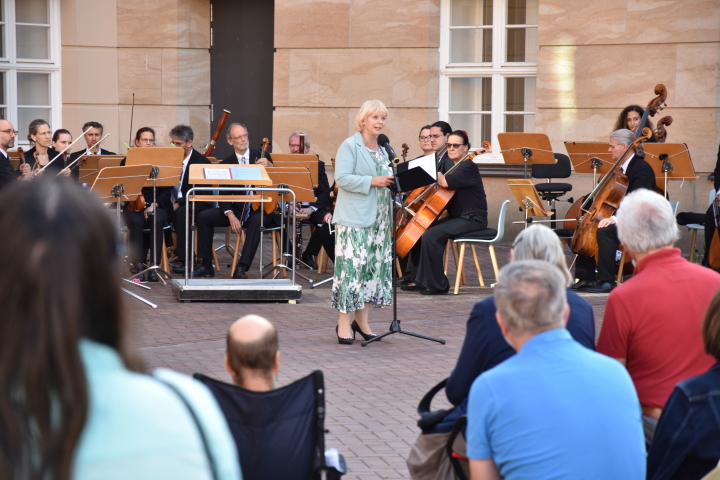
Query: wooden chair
<point x="489" y="237"/>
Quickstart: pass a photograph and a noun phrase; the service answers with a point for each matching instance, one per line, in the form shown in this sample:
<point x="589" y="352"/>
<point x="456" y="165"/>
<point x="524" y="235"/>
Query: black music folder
<point x="416" y="173"/>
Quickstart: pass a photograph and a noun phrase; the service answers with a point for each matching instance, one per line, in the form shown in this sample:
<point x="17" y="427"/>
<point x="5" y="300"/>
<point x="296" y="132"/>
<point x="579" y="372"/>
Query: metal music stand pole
<point x="395" y="324"/>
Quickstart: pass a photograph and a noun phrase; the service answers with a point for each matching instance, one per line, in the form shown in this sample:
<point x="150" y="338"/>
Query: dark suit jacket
<point x="323" y="200"/>
<point x="195" y="157"/>
<point x="237" y="207"/>
<point x="640" y="175"/>
<point x="75" y="155"/>
<point x="55" y="167"/>
<point x="8" y="175"/>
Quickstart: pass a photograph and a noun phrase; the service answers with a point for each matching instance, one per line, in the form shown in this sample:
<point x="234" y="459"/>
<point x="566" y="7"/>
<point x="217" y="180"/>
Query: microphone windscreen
<point x="382" y="139"/>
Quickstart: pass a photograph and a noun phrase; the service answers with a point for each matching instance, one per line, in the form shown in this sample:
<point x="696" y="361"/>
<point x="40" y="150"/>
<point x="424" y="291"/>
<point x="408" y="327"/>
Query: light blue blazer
<point x="354" y="170"/>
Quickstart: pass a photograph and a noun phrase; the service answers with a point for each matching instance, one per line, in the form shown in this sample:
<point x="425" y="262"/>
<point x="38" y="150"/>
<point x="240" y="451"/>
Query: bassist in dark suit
<point x="640" y="175"/>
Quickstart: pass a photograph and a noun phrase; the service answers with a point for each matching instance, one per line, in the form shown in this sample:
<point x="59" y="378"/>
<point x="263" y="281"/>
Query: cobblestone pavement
<point x="372" y="392"/>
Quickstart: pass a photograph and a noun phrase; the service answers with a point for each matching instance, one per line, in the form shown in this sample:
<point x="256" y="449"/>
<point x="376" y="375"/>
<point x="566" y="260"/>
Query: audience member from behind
<point x="484" y="346"/>
<point x="652" y="322"/>
<point x="73" y="401"/>
<point x="252" y="358"/>
<point x="556" y="409"/>
<point x="687" y="441"/>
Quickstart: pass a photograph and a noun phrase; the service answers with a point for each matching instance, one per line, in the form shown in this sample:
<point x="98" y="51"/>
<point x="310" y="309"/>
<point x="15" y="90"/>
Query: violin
<point x="436" y="199"/>
<point x="268" y="207"/>
<point x="405" y="149"/>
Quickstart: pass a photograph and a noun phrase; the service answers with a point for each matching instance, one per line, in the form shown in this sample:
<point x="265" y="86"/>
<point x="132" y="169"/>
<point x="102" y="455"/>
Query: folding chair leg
<point x="446" y="258"/>
<point x="397" y="267"/>
<point x="320" y="259"/>
<point x="494" y="260"/>
<point x="460" y="269"/>
<point x="462" y="272"/>
<point x="236" y="254"/>
<point x="215" y="260"/>
<point x="693" y="239"/>
<point x="477" y="266"/>
<point x="164" y="257"/>
<point x="620" y="268"/>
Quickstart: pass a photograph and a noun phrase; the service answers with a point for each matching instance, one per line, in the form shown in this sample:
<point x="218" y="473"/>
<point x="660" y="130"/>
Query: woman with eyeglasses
<point x="40" y="135"/>
<point x="425" y="144"/>
<point x="466" y="212"/>
<point x="138" y="221"/>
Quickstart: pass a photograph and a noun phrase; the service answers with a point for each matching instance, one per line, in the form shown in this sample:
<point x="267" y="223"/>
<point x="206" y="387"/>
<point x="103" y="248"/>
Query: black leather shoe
<point x="239" y="273"/>
<point x="604" y="287"/>
<point x="356" y="328"/>
<point x="435" y="292"/>
<point x="406" y="280"/>
<point x="344" y="340"/>
<point x="308" y="260"/>
<point x="152" y="276"/>
<point x="413" y="288"/>
<point x="203" y="272"/>
<point x="180" y="269"/>
<point x="583" y="285"/>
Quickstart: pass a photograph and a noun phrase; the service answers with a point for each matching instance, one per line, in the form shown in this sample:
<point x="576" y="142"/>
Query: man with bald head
<point x="7" y="141"/>
<point x="252" y="358"/>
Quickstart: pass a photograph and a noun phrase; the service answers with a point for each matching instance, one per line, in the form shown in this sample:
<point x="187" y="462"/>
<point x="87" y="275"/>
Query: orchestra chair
<point x="624" y="258"/>
<point x="489" y="237"/>
<point x="549" y="191"/>
<point x="451" y="245"/>
<point x="279" y="433"/>
<point x="322" y="258"/>
<point x="697" y="226"/>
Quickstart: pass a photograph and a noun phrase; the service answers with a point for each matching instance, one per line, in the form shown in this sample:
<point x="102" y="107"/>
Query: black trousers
<point x="252" y="235"/>
<point x="425" y="264"/>
<point x="707" y="219"/>
<point x="179" y="224"/>
<point x="136" y="223"/>
<point x="321" y="237"/>
<point x="606" y="266"/>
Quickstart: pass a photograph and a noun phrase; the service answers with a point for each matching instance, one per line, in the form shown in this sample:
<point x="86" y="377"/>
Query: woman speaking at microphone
<point x="363" y="249"/>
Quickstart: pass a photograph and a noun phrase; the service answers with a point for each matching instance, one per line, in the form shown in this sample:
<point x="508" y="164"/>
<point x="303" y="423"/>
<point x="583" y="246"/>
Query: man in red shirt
<point x="652" y="322"/>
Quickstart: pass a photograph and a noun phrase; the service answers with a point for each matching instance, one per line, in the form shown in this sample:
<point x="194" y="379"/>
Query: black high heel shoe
<point x="344" y="340"/>
<point x="356" y="328"/>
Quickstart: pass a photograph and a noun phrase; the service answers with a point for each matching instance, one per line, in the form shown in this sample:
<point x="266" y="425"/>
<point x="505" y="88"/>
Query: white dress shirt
<point x="182" y="176"/>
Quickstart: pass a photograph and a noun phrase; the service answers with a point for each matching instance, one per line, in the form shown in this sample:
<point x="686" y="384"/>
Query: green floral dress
<point x="364" y="256"/>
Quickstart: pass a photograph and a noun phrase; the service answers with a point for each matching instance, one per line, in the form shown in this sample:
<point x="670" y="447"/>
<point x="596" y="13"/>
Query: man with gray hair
<point x="652" y="322"/>
<point x="555" y="409"/>
<point x="640" y="175"/>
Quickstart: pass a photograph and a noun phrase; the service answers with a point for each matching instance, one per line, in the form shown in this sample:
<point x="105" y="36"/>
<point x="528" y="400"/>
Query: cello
<point x="268" y="207"/>
<point x="602" y="202"/>
<point x="436" y="199"/>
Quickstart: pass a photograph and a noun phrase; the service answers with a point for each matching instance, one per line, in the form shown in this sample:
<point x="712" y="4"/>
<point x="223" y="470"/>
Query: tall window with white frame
<point x="488" y="52"/>
<point x="29" y="69"/>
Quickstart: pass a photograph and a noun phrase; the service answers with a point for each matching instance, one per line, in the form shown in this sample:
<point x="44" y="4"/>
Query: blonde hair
<point x="368" y="108"/>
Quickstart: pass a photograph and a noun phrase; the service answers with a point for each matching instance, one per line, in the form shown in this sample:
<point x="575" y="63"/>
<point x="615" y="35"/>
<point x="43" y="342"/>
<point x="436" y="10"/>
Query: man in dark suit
<point x="640" y="175"/>
<point x="235" y="215"/>
<point x="182" y="136"/>
<point x="92" y="137"/>
<point x="8" y="175"/>
<point x="439" y="132"/>
<point x="320" y="211"/>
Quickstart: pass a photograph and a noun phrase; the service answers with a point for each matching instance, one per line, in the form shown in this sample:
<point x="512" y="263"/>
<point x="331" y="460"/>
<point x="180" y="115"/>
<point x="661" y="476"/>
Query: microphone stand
<point x="394" y="202"/>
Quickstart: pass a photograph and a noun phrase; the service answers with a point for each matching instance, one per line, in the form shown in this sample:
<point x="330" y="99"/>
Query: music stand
<point x="308" y="160"/>
<point x="224" y="175"/>
<point x="669" y="161"/>
<point x="528" y="199"/>
<point x="587" y="157"/>
<point x="299" y="181"/>
<point x="518" y="148"/>
<point x="122" y="184"/>
<point x="166" y="170"/>
<point x="89" y="166"/>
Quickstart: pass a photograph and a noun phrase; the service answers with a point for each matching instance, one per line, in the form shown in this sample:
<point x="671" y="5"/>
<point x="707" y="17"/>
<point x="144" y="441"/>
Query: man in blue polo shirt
<point x="555" y="409"/>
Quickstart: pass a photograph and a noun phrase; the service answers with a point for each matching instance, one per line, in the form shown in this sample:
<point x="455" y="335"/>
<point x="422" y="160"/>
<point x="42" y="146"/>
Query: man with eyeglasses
<point x="92" y="137"/>
<point x="8" y="175"/>
<point x="439" y="132"/>
<point x="235" y="215"/>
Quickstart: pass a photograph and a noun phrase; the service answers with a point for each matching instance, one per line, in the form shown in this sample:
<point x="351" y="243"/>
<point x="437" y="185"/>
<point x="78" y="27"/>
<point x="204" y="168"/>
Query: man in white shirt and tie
<point x="640" y="175"/>
<point x="235" y="215"/>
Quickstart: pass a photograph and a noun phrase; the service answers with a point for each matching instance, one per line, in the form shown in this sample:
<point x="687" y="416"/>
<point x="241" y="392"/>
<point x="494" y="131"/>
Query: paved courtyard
<point x="372" y="392"/>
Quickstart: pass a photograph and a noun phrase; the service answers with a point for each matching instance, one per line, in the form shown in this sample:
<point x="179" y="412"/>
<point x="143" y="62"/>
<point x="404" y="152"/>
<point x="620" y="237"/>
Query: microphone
<point x="384" y="142"/>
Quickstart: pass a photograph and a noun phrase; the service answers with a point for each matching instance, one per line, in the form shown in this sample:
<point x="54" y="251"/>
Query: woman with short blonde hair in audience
<point x="74" y="402"/>
<point x="687" y="438"/>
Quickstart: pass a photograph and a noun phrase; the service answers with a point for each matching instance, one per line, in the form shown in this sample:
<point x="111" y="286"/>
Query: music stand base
<point x="396" y="328"/>
<point x="139" y="297"/>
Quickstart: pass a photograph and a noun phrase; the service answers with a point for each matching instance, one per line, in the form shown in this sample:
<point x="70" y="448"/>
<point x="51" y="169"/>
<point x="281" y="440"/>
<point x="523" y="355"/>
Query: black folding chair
<point x="280" y="433"/>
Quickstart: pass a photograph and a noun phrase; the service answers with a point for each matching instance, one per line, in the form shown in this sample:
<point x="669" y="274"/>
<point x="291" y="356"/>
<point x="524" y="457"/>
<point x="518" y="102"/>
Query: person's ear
<point x="228" y="367"/>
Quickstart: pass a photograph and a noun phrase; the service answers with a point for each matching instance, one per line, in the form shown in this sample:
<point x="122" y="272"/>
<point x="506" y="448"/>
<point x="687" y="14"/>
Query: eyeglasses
<point x="424" y="139"/>
<point x="11" y="132"/>
<point x="44" y="134"/>
<point x="454" y="145"/>
<point x="147" y="140"/>
<point x="437" y="135"/>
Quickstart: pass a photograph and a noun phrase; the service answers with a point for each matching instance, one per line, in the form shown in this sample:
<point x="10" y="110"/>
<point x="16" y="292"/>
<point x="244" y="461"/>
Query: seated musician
<point x="8" y="174"/>
<point x="92" y="137"/>
<point x="236" y="215"/>
<point x="439" y="132"/>
<point x="466" y="212"/>
<point x="426" y="140"/>
<point x="630" y="117"/>
<point x="40" y="135"/>
<point x="138" y="221"/>
<point x="182" y="136"/>
<point x="640" y="175"/>
<point x="61" y="140"/>
<point x="320" y="210"/>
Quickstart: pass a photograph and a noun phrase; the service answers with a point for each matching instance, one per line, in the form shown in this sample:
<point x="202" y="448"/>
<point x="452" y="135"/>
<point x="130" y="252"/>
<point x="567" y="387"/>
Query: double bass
<point x="435" y="200"/>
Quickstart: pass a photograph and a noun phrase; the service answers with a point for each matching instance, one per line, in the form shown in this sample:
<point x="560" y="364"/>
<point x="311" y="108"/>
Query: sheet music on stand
<point x="416" y="173"/>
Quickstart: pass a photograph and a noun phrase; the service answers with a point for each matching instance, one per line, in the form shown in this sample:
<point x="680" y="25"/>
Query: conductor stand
<point x="527" y="197"/>
<point x="395" y="203"/>
<point x="131" y="179"/>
